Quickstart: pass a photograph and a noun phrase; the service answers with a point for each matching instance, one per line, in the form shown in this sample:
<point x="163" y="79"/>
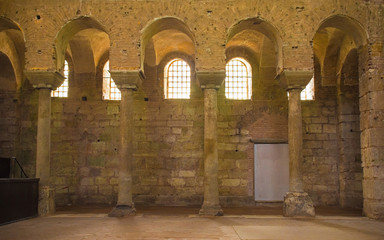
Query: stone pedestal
<point x="127" y="82"/>
<point x="123" y="210"/>
<point x="298" y="204"/>
<point x="210" y="82"/>
<point x="46" y="204"/>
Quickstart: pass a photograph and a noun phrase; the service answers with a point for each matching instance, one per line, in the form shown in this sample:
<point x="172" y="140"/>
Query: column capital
<point x="126" y="79"/>
<point x="44" y="79"/>
<point x="294" y="78"/>
<point x="210" y="79"/>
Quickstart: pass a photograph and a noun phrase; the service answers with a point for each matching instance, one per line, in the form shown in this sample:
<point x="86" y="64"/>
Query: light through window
<point x="62" y="91"/>
<point x="309" y="91"/>
<point x="177" y="80"/>
<point x="238" y="81"/>
<point x="110" y="90"/>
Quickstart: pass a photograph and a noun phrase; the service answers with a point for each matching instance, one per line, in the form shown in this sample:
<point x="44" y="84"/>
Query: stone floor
<point x="258" y="223"/>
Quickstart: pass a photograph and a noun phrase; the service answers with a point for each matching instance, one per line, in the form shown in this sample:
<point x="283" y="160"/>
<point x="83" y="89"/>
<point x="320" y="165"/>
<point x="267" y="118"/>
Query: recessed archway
<point x="338" y="44"/>
<point x="84" y="42"/>
<point x="12" y="50"/>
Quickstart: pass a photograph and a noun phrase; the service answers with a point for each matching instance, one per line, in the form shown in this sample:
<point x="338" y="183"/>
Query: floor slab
<point x="183" y="223"/>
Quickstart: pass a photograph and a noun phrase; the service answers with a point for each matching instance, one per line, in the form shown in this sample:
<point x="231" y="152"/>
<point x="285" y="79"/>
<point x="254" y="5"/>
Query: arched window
<point x="110" y="90"/>
<point x="238" y="81"/>
<point x="177" y="80"/>
<point x="62" y="91"/>
<point x="308" y="92"/>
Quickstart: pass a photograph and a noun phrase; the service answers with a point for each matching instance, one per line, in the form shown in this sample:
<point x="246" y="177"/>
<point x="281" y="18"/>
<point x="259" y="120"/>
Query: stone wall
<point x="9" y="109"/>
<point x="85" y="142"/>
<point x="168" y="134"/>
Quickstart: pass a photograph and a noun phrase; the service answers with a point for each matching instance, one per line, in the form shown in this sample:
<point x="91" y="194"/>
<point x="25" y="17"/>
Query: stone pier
<point x="296" y="201"/>
<point x="45" y="82"/>
<point x="210" y="82"/>
<point x="127" y="82"/>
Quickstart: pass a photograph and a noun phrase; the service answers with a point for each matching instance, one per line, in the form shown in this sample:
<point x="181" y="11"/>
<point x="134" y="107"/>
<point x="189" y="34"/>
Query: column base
<point x="123" y="210"/>
<point x="46" y="201"/>
<point x="214" y="210"/>
<point x="298" y="204"/>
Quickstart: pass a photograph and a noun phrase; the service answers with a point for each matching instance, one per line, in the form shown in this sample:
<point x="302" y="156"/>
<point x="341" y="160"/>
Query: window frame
<point x="249" y="80"/>
<point x="166" y="77"/>
<point x="63" y="90"/>
<point x="108" y="80"/>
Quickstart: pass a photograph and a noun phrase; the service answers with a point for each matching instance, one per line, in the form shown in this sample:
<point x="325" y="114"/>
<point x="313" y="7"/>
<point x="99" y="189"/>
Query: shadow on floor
<point x="190" y="210"/>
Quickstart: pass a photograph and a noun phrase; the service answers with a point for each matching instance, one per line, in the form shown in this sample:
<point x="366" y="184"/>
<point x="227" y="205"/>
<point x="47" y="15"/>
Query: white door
<point x="271" y="172"/>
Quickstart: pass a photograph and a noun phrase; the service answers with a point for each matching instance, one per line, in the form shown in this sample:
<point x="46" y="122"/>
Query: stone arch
<point x="338" y="45"/>
<point x="68" y="31"/>
<point x="12" y="44"/>
<point x="85" y="41"/>
<point x="263" y="28"/>
<point x="12" y="49"/>
<point x="335" y="37"/>
<point x="258" y="42"/>
<point x="347" y="24"/>
<point x="160" y="33"/>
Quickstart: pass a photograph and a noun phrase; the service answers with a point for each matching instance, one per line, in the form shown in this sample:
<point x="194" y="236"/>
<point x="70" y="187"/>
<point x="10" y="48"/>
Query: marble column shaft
<point x="211" y="186"/>
<point x="43" y="163"/>
<point x="126" y="153"/>
<point x="210" y="82"/>
<point x="127" y="81"/>
<point x="295" y="141"/>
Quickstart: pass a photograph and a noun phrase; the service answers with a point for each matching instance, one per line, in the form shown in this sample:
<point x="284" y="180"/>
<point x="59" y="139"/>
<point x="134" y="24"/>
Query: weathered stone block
<point x="315" y="128"/>
<point x="114" y="181"/>
<point x="187" y="173"/>
<point x="96" y="161"/>
<point x="329" y="128"/>
<point x="176" y="182"/>
<point x="298" y="204"/>
<point x="230" y="182"/>
<point x="176" y="130"/>
<point x="46" y="203"/>
<point x="100" y="180"/>
<point x="87" y="181"/>
<point x="105" y="189"/>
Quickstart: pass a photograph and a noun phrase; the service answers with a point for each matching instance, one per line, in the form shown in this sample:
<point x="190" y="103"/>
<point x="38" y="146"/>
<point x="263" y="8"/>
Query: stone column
<point x="296" y="201"/>
<point x="371" y="88"/>
<point x="210" y="82"/>
<point x="295" y="140"/>
<point x="127" y="82"/>
<point x="44" y="82"/>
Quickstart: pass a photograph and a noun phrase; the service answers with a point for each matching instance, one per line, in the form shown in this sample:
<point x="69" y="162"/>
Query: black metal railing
<point x="11" y="168"/>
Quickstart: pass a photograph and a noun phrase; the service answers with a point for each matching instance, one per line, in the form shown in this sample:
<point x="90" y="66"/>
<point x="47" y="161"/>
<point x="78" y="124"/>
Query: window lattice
<point x="238" y="81"/>
<point x="62" y="91"/>
<point x="177" y="80"/>
<point x="110" y="90"/>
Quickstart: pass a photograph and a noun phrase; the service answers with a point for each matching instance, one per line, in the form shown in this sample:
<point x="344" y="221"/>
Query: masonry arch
<point x="166" y="35"/>
<point x="12" y="44"/>
<point x="258" y="42"/>
<point x="12" y="48"/>
<point x="85" y="41"/>
<point x="339" y="49"/>
<point x="162" y="39"/>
